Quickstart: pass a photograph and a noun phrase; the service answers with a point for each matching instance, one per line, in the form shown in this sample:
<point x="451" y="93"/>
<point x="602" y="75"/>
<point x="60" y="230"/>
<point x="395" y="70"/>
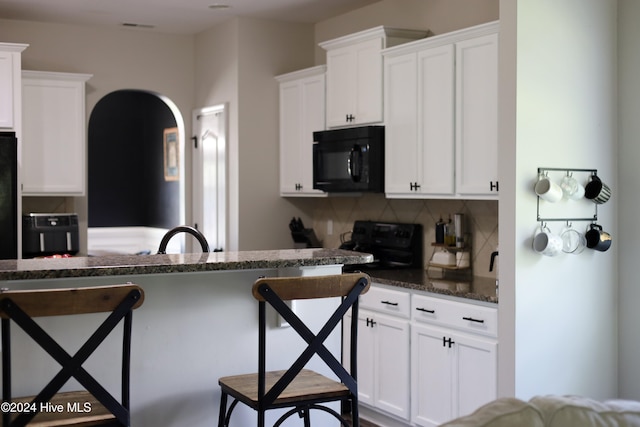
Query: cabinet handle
<point x="471" y="319"/>
<point x="370" y="322"/>
<point x="425" y="310"/>
<point x="350" y="118"/>
<point x="447" y="341"/>
<point x="493" y="186"/>
<point x="389" y="303"/>
<point x="413" y="186"/>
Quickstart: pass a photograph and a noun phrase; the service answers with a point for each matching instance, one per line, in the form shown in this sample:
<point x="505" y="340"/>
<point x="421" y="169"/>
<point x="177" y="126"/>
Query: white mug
<point x="547" y="243"/>
<point x="547" y="189"/>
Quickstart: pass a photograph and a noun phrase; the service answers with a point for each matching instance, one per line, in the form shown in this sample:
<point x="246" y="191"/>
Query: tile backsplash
<point x="481" y="221"/>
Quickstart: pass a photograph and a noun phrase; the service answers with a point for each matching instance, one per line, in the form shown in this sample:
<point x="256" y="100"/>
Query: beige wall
<point x="236" y="63"/>
<point x="439" y="16"/>
<point x="629" y="202"/>
<point x="118" y="58"/>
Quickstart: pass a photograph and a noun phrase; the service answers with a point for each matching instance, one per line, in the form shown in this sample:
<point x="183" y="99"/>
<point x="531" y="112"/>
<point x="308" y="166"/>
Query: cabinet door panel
<point x="366" y="356"/>
<point x="290" y="122"/>
<point x="476" y="371"/>
<point x="402" y="158"/>
<point x="392" y="393"/>
<point x="341" y="82"/>
<point x="6" y="90"/>
<point x="368" y="97"/>
<point x="313" y="107"/>
<point x="436" y="88"/>
<point x="54" y="135"/>
<point x="302" y="112"/>
<point x="477" y="114"/>
<point x="432" y="377"/>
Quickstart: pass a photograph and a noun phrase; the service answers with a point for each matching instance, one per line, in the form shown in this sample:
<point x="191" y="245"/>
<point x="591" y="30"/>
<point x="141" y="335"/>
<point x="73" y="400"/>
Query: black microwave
<point x="349" y="160"/>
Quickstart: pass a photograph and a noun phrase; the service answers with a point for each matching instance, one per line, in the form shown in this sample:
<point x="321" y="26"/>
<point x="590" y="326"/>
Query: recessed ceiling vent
<point x="134" y="25"/>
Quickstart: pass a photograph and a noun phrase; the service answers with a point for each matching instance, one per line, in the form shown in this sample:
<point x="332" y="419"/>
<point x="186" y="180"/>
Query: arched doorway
<point x="133" y="198"/>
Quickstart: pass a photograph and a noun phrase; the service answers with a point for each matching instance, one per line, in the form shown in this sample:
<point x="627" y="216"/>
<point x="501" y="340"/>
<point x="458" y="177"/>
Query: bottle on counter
<point x="440" y="231"/>
<point x="449" y="233"/>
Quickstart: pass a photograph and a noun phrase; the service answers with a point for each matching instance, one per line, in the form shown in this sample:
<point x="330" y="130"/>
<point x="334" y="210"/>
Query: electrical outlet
<point x="330" y="227"/>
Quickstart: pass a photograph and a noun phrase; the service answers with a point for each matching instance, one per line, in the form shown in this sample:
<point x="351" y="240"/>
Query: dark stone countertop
<point x="479" y="288"/>
<point x="115" y="265"/>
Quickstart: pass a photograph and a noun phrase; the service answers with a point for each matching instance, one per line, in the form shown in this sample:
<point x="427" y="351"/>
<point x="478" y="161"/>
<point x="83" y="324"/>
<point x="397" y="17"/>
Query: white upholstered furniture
<point x="553" y="411"/>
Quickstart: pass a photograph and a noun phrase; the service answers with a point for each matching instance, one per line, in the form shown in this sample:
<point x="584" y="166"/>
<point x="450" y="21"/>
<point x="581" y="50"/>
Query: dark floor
<point x="363" y="423"/>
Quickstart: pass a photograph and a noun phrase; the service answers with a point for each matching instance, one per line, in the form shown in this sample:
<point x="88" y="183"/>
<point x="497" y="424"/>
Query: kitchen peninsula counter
<point x="199" y="322"/>
<point x="116" y="265"/>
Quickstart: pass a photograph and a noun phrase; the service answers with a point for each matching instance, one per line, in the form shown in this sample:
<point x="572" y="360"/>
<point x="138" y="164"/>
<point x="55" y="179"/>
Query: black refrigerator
<point x="8" y="195"/>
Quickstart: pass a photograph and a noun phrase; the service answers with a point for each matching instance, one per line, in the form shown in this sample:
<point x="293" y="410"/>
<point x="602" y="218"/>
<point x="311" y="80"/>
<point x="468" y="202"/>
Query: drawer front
<point x="466" y="317"/>
<point x="388" y="301"/>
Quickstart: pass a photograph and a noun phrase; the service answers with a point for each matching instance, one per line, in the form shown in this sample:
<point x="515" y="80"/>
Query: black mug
<point x="597" y="191"/>
<point x="597" y="238"/>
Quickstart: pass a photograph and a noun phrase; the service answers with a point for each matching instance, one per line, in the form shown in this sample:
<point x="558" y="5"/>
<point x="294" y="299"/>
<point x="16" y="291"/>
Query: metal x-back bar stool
<point x="90" y="407"/>
<point x="298" y="388"/>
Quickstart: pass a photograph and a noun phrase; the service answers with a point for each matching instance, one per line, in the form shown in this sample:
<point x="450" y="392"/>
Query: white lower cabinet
<point x="424" y="360"/>
<point x="453" y="369"/>
<point x="452" y="374"/>
<point x="383" y="351"/>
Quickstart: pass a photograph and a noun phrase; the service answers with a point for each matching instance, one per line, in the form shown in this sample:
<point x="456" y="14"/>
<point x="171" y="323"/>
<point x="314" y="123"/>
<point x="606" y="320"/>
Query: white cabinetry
<point x="453" y="359"/>
<point x="383" y="351"/>
<point x="354" y="74"/>
<point x="477" y="115"/>
<point x="54" y="134"/>
<point x="10" y="64"/>
<point x="440" y="115"/>
<point x="302" y="112"/>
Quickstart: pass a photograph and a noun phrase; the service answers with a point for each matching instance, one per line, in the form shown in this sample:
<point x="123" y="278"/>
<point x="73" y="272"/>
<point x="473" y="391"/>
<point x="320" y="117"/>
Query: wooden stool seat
<point x="307" y="384"/>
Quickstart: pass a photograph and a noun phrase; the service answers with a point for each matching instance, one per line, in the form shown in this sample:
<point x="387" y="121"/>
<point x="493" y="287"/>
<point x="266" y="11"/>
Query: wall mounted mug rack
<point x="548" y="193"/>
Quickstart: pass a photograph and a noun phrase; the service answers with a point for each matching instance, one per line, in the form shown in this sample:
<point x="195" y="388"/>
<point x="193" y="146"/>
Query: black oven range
<point x="393" y="245"/>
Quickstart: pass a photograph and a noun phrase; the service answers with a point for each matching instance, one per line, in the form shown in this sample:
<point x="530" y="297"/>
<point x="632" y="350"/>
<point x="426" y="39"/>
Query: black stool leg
<point x="355" y="420"/>
<point x="223" y="410"/>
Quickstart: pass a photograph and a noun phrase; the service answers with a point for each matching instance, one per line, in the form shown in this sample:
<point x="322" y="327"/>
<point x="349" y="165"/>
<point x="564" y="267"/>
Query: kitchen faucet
<point x="183" y="229"/>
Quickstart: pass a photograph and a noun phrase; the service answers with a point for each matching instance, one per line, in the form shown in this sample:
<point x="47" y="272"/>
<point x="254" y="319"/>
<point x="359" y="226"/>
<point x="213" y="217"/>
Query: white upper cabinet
<point x="419" y="118"/>
<point x="440" y="116"/>
<point x="477" y="115"/>
<point x="10" y="63"/>
<point x="302" y="112"/>
<point x="355" y="72"/>
<point x="54" y="134"/>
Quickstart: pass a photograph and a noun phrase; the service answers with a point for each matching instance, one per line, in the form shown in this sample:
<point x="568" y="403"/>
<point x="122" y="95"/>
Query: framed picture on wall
<point x="171" y="155"/>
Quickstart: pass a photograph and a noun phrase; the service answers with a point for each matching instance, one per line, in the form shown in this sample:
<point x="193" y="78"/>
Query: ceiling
<point x="172" y="16"/>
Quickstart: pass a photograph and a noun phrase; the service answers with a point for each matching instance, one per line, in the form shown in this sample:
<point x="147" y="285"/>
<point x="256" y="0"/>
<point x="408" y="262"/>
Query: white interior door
<point x="210" y="175"/>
